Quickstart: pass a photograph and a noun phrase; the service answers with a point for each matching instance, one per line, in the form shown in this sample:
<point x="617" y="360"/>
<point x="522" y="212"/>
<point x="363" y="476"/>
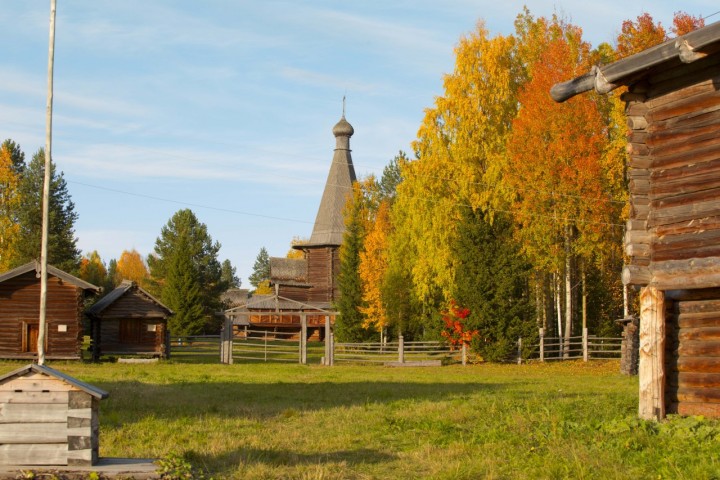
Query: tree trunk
<point x="584" y="295"/>
<point x="558" y="308"/>
<point x="568" y="295"/>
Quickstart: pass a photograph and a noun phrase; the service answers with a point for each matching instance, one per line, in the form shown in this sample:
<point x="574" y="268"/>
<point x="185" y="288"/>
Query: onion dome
<point x="343" y="128"/>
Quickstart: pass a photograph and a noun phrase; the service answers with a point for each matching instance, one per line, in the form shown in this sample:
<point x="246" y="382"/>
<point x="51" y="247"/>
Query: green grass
<point x="266" y="421"/>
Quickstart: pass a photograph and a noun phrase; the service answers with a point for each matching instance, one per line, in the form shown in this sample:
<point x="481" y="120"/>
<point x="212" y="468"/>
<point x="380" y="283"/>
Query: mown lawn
<point x="569" y="420"/>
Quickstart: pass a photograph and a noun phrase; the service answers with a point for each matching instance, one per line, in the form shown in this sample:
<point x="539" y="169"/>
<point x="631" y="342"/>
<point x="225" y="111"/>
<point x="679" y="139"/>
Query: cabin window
<point x="131" y="331"/>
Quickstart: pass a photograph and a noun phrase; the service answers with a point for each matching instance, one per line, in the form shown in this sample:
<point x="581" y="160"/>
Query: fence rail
<point x="196" y="348"/>
<point x="264" y="346"/>
<point x="583" y="347"/>
<point x="398" y="352"/>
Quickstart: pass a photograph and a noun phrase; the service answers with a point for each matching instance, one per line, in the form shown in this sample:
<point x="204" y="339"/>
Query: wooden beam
<point x="652" y="354"/>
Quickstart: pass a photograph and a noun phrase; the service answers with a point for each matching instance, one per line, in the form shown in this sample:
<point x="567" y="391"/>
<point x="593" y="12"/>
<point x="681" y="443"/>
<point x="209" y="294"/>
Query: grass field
<point x="260" y="421"/>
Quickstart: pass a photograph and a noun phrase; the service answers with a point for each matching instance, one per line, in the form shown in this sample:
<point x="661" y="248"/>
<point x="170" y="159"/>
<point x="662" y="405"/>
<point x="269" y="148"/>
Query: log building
<point x="20" y="313"/>
<point x="672" y="237"/>
<point x="308" y="287"/>
<point x="129" y="321"/>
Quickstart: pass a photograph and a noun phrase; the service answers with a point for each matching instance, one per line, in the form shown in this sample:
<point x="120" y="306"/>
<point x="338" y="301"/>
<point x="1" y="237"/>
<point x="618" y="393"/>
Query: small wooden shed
<point x="129" y="321"/>
<point x="48" y="418"/>
<point x="673" y="235"/>
<point x="20" y="313"/>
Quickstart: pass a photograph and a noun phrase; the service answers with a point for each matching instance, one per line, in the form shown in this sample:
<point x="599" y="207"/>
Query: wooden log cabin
<point x="129" y="321"/>
<point x="672" y="237"/>
<point x="20" y="313"/>
<point x="48" y="418"/>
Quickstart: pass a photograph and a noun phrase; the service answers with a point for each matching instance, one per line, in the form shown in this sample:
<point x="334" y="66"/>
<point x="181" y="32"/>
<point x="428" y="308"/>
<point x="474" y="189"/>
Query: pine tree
<point x="261" y="268"/>
<point x="228" y="277"/>
<point x="187" y="274"/>
<point x="62" y="244"/>
<point x="492" y="281"/>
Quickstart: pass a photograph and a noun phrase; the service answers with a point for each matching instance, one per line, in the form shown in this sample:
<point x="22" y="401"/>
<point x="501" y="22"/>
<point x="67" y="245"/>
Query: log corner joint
<point x="686" y="52"/>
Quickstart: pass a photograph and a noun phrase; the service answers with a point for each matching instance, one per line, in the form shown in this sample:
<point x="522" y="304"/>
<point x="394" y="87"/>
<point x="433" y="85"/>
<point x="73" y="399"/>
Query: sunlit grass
<point x="563" y="420"/>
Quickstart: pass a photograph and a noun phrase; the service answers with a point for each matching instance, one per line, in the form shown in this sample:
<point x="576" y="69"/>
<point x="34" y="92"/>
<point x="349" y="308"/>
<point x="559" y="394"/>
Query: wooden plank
<point x="33" y="433"/>
<point x="43" y="454"/>
<point x="38" y="383"/>
<point x="699" y="364"/>
<point x="691" y="379"/>
<point x="708" y="395"/>
<point x="699" y="348"/>
<point x="33" y="397"/>
<point x="704" y="409"/>
<point x="32" y="412"/>
<point x="699" y="320"/>
<point x="651" y="370"/>
<point x="704" y="334"/>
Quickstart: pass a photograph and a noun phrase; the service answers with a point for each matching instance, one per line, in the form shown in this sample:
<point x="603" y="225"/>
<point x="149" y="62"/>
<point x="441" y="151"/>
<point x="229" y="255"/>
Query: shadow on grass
<point x="131" y="400"/>
<point x="250" y="456"/>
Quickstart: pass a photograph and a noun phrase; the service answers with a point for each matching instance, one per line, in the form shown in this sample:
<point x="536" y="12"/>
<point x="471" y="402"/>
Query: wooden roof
<point x="35" y="368"/>
<point x="329" y="225"/>
<point x="278" y="303"/>
<point x="35" y="266"/>
<point x="112" y="297"/>
<point x="687" y="48"/>
<point x="289" y="271"/>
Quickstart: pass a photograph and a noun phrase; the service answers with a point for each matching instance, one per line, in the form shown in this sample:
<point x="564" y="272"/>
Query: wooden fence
<point x="584" y="347"/>
<point x="195" y="349"/>
<point x="398" y="352"/>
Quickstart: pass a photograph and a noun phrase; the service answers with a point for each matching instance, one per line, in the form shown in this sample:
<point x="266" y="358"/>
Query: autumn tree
<point x="185" y="268"/>
<point x="62" y="244"/>
<point x="350" y="326"/>
<point x="685" y="23"/>
<point x="555" y="169"/>
<point x="92" y="269"/>
<point x="294" y="252"/>
<point x="373" y="269"/>
<point x="11" y="163"/>
<point x="639" y="35"/>
<point x="131" y="266"/>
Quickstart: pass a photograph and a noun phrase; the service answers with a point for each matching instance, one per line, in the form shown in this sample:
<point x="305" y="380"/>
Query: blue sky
<point x="227" y="106"/>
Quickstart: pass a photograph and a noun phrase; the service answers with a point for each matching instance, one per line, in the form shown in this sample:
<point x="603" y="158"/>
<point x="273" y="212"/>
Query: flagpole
<point x="46" y="190"/>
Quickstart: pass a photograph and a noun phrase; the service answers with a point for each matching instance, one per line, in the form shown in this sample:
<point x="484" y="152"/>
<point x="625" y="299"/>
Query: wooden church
<point x="672" y="237"/>
<point x="309" y="286"/>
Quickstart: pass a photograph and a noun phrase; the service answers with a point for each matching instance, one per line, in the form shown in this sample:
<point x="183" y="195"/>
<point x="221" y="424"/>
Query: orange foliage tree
<point x="131" y="266"/>
<point x="456" y="330"/>
<point x="92" y="269"/>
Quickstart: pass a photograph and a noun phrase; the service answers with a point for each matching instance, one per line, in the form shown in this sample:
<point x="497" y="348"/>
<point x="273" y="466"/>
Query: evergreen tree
<point x="111" y="280"/>
<point x="261" y="268"/>
<point x="349" y="326"/>
<point x="228" y="277"/>
<point x="392" y="176"/>
<point x="185" y="271"/>
<point x="492" y="280"/>
<point x="62" y="244"/>
<point x="92" y="269"/>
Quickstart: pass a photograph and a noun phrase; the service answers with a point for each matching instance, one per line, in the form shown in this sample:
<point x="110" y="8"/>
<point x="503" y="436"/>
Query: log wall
<point x="20" y="307"/>
<point x="674" y="177"/>
<point x="693" y="353"/>
<point x="323" y="270"/>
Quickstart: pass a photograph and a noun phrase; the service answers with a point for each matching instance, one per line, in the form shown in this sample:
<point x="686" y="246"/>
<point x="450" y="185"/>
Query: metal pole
<point x="46" y="191"/>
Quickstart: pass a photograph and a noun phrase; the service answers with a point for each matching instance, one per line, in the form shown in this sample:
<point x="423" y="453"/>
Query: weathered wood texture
<point x="132" y="324"/>
<point x="20" y="311"/>
<point x="674" y="177"/>
<point x="47" y="421"/>
<point x="693" y="353"/>
<point x="651" y="370"/>
<point x="323" y="270"/>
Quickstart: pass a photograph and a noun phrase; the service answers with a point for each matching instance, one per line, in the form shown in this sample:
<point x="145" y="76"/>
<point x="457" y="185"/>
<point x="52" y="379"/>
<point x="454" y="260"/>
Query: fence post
<point x="226" y="336"/>
<point x="401" y="349"/>
<point x="332" y="349"/>
<point x="585" y="344"/>
<point x="542" y="344"/>
<point x="464" y="354"/>
<point x="303" y="339"/>
<point x="328" y="348"/>
<point x="265" y="345"/>
<point x="519" y="351"/>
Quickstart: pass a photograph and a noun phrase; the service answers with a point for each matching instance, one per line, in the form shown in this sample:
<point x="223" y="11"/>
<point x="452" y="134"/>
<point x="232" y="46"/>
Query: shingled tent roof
<point x="329" y="224"/>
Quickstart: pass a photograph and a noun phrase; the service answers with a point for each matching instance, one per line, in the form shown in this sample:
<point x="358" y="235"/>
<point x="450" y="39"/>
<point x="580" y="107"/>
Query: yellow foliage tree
<point x="9" y="200"/>
<point x="263" y="288"/>
<point x="373" y="266"/>
<point x="131" y="266"/>
<point x="92" y="269"/>
<point x="296" y="253"/>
